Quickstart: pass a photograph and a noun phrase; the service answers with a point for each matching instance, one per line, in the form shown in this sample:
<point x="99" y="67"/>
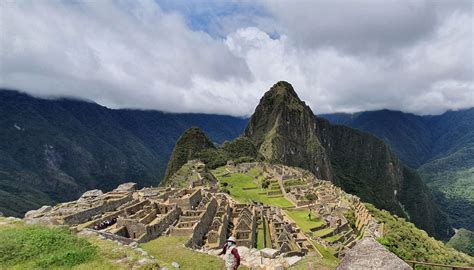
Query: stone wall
<point x="86" y="215"/>
<point x="155" y="230"/>
<point x="202" y="227"/>
<point x="189" y="200"/>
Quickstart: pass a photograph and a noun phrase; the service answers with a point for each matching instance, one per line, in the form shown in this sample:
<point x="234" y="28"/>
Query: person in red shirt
<point x="231" y="254"/>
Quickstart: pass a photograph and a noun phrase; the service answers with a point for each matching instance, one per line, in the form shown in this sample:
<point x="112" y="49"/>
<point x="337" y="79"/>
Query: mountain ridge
<point x="439" y="147"/>
<point x="53" y="150"/>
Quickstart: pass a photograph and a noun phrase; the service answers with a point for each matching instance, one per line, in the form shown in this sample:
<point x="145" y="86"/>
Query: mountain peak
<point x="283" y="130"/>
<point x="282" y="88"/>
<point x="188" y="146"/>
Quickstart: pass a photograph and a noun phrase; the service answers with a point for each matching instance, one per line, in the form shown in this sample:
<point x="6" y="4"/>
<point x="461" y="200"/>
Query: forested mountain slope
<point x="440" y="147"/>
<point x="53" y="150"/>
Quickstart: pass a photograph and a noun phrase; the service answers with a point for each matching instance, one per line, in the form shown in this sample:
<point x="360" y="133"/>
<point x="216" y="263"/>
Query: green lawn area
<point x="238" y="181"/>
<point x="168" y="249"/>
<point x="328" y="261"/>
<point x="333" y="238"/>
<point x="300" y="216"/>
<point x="260" y="237"/>
<point x="323" y="232"/>
<point x="37" y="247"/>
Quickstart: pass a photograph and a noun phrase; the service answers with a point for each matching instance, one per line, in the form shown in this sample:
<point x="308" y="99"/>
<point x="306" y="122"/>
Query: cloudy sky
<point x="221" y="56"/>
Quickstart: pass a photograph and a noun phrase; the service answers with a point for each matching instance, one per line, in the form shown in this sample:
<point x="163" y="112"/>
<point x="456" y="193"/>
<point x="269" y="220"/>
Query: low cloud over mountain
<point x="219" y="57"/>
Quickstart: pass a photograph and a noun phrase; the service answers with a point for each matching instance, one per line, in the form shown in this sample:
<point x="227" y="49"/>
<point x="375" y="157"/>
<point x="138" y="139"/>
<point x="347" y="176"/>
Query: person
<point x="231" y="254"/>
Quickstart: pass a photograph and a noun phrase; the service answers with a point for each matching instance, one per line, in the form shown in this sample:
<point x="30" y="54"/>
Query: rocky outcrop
<point x="369" y="254"/>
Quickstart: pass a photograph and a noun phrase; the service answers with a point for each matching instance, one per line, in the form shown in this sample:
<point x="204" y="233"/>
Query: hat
<point x="231" y="239"/>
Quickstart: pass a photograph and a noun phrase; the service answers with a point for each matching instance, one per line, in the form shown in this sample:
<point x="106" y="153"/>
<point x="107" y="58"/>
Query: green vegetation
<point x="410" y="243"/>
<point x="168" y="249"/>
<point x="323" y="232"/>
<point x="244" y="188"/>
<point x="441" y="147"/>
<point x="189" y="146"/>
<point x="463" y="241"/>
<point x="194" y="144"/>
<point x="350" y="216"/>
<point x="41" y="247"/>
<point x="61" y="148"/>
<point x="239" y="148"/>
<point x="300" y="216"/>
<point x="333" y="238"/>
<point x="38" y="247"/>
<point x="452" y="180"/>
<point x="262" y="240"/>
<point x="358" y="162"/>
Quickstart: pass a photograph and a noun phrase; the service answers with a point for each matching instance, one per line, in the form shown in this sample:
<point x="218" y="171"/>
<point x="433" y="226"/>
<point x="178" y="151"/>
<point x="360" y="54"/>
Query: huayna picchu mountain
<point x="284" y="130"/>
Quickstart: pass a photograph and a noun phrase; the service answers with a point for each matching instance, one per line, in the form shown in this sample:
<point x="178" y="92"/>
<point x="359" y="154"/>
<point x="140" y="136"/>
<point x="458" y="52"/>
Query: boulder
<point x="243" y="251"/>
<point x="175" y="264"/>
<point x="38" y="212"/>
<point x="277" y="267"/>
<point x="91" y="194"/>
<point x="126" y="187"/>
<point x="369" y="254"/>
<point x="145" y="261"/>
<point x="292" y="260"/>
<point x="269" y="253"/>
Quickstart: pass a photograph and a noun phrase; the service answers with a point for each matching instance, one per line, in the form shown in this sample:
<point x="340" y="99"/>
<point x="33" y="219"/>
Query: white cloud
<point x="415" y="57"/>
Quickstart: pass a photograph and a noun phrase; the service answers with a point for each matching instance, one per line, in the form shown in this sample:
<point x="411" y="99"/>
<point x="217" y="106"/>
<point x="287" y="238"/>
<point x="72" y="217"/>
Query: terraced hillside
<point x="301" y="201"/>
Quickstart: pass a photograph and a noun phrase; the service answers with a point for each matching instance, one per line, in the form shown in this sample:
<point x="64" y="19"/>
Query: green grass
<point x="328" y="261"/>
<point x="323" y="232"/>
<point x="300" y="216"/>
<point x="168" y="249"/>
<point x="260" y="237"/>
<point x="38" y="247"/>
<point x="333" y="238"/>
<point x="25" y="247"/>
<point x="238" y="181"/>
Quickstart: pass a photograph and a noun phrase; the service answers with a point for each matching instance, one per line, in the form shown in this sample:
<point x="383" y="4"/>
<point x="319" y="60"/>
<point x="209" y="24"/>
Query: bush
<point x="311" y="197"/>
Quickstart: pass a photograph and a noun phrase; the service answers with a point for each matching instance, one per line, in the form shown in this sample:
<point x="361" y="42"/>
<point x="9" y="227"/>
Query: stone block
<point x="269" y="253"/>
<point x="292" y="260"/>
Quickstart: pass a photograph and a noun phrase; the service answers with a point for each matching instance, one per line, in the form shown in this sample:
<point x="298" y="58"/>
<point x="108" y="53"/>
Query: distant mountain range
<point x="439" y="147"/>
<point x="53" y="150"/>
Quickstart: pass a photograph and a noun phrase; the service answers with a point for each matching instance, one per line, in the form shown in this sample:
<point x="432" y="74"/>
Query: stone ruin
<point x="127" y="214"/>
<point x="285" y="236"/>
<point x="324" y="200"/>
